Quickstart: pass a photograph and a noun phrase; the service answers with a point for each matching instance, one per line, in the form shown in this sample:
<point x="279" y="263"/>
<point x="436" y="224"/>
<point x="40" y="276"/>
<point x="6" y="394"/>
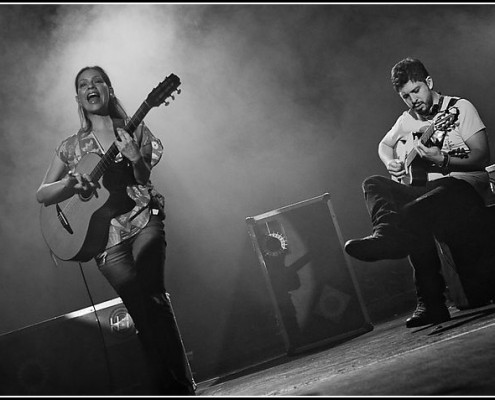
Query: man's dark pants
<point x="447" y="209"/>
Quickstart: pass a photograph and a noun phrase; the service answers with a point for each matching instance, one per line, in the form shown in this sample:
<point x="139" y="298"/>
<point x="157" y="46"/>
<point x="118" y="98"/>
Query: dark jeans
<point x="135" y="269"/>
<point x="448" y="209"/>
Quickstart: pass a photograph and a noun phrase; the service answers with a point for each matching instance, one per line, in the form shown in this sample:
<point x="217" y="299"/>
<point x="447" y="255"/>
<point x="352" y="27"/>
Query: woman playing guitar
<point x="98" y="202"/>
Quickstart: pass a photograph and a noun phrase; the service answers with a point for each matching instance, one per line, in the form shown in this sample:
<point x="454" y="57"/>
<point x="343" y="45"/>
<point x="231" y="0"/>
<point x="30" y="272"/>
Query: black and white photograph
<point x="247" y="199"/>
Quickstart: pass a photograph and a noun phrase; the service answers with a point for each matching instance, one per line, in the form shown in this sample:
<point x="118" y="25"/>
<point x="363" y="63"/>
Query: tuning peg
<point x="166" y="103"/>
<point x="178" y="91"/>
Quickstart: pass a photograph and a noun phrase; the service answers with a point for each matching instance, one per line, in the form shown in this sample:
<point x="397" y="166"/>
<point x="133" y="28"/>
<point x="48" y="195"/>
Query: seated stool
<point x="455" y="291"/>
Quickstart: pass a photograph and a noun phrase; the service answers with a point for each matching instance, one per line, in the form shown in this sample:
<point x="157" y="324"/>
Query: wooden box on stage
<point x="309" y="277"/>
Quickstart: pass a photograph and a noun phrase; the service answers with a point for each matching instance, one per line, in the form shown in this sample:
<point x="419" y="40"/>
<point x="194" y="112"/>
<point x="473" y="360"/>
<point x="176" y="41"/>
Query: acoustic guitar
<point x="76" y="229"/>
<point x="415" y="167"/>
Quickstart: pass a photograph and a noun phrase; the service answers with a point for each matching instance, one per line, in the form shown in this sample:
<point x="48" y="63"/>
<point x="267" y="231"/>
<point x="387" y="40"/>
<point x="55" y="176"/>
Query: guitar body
<point x="416" y="170"/>
<point x="417" y="174"/>
<point x="88" y="220"/>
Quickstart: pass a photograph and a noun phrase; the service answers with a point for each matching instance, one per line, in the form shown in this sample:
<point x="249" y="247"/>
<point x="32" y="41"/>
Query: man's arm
<point x="387" y="155"/>
<point x="477" y="159"/>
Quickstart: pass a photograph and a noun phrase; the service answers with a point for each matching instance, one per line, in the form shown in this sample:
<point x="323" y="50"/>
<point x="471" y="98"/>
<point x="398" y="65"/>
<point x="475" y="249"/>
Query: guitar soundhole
<point x="86" y="195"/>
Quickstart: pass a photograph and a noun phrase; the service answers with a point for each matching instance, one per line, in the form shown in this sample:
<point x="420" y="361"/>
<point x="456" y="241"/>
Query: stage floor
<point x="450" y="359"/>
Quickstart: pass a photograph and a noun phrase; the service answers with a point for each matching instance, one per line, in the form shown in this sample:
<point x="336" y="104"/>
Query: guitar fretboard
<point x="113" y="150"/>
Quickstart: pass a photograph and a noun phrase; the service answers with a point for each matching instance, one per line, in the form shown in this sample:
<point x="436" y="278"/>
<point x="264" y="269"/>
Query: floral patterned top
<point x="124" y="226"/>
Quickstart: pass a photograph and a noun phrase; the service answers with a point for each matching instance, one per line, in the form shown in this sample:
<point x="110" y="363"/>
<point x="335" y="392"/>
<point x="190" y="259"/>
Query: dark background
<point x="279" y="103"/>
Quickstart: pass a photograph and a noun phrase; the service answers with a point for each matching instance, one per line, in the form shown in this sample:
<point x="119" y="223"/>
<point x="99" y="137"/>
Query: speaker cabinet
<point x="93" y="351"/>
<point x="309" y="277"/>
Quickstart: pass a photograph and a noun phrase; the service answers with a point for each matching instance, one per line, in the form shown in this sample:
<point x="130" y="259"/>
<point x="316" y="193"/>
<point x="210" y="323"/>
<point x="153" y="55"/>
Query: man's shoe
<point x="377" y="247"/>
<point x="428" y="316"/>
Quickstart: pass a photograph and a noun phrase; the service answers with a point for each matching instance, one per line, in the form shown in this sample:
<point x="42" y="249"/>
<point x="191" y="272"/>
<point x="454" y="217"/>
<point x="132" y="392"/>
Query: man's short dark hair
<point x="408" y="69"/>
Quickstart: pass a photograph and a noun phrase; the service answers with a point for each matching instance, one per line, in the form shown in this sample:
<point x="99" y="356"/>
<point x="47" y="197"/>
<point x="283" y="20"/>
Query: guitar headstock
<point x="447" y="119"/>
<point x="163" y="91"/>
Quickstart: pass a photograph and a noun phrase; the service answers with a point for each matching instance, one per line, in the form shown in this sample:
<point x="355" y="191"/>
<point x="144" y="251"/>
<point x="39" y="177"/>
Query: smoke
<point x="278" y="103"/>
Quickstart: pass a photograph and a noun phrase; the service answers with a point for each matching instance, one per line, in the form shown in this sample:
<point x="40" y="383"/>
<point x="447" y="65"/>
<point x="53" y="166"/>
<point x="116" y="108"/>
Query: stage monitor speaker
<point x="311" y="281"/>
<point x="93" y="351"/>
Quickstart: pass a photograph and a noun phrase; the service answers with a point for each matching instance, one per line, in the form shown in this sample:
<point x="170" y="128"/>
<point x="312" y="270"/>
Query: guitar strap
<point x="439" y="107"/>
<point x="436" y="107"/>
<point x="442" y="108"/>
<point x="450" y="103"/>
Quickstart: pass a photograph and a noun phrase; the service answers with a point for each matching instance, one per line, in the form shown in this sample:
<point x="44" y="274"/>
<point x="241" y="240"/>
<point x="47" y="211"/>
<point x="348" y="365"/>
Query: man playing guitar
<point x="445" y="138"/>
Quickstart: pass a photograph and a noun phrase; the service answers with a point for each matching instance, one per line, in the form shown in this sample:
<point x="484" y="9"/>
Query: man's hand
<point x="396" y="168"/>
<point x="432" y="154"/>
<point x="79" y="183"/>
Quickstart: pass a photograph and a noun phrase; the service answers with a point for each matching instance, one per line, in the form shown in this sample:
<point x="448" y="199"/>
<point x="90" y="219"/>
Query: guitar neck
<point x="424" y="139"/>
<point x="113" y="150"/>
<point x="427" y="134"/>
